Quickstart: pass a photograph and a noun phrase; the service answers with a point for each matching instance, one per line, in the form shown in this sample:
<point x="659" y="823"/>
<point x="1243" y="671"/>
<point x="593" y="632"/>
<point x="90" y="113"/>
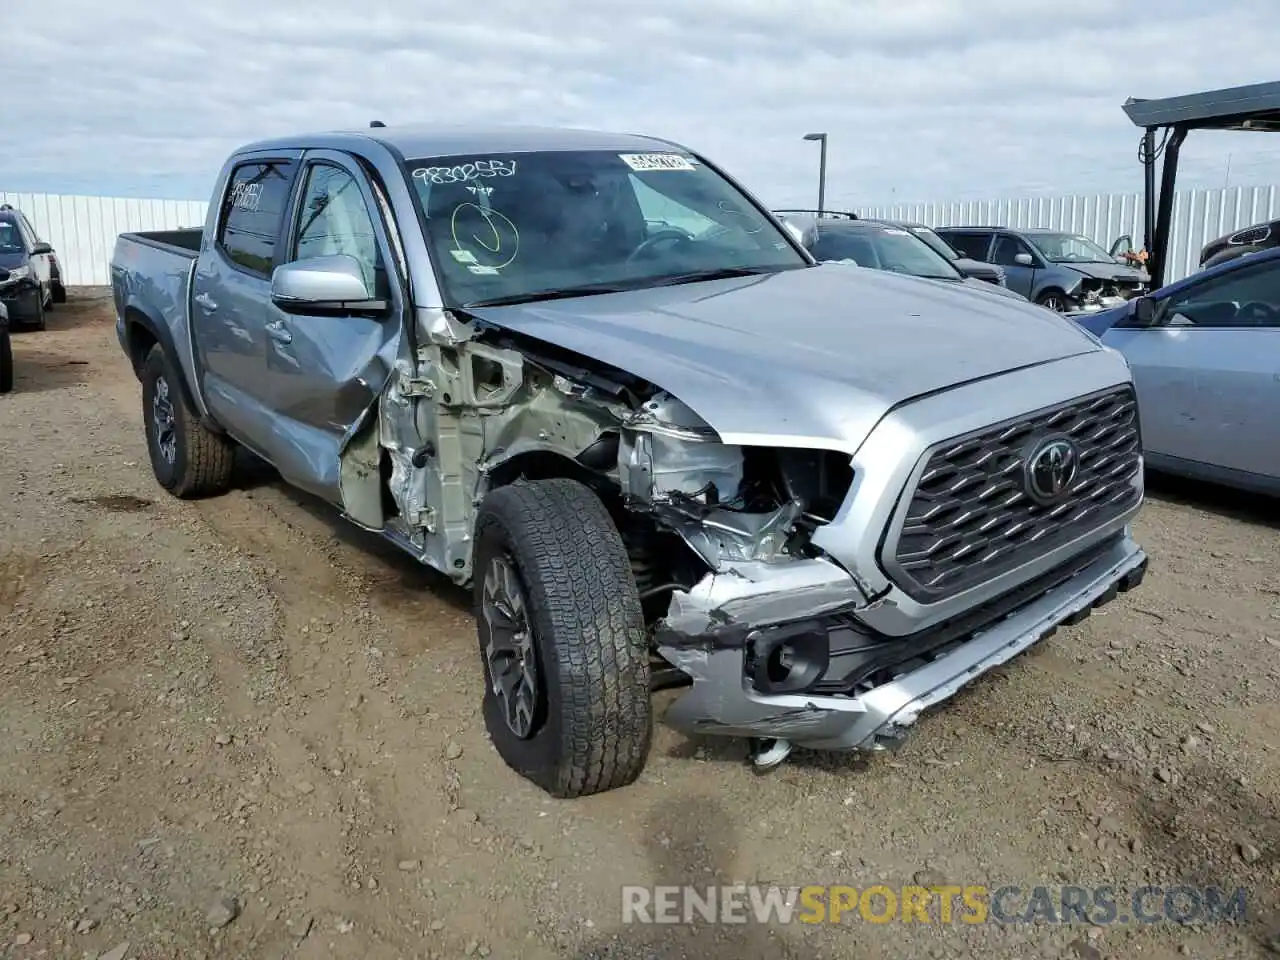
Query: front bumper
<point x="1101" y="303"/>
<point x="22" y="300"/>
<point x="714" y="635"/>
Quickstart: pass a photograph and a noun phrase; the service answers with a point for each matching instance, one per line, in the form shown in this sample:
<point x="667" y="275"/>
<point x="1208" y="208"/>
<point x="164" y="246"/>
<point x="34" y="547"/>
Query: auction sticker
<point x="648" y="162"/>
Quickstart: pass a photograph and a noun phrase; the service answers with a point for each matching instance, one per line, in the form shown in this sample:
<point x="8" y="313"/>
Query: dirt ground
<point x="241" y="728"/>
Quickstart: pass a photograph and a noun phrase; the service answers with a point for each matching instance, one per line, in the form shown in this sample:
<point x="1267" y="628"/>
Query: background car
<point x="989" y="272"/>
<point x="977" y="269"/>
<point x="1251" y="239"/>
<point x="6" y="352"/>
<point x="881" y="245"/>
<point x="1205" y="352"/>
<point x="30" y="278"/>
<point x="1062" y="271"/>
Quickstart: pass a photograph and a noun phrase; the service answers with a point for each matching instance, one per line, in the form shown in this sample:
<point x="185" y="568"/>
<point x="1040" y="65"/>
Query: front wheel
<point x="1054" y="300"/>
<point x="562" y="639"/>
<point x="188" y="459"/>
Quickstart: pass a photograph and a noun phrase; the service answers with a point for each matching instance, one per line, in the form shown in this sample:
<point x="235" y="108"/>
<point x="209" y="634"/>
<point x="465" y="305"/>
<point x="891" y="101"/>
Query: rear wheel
<point x="562" y="639"/>
<point x="187" y="458"/>
<point x="6" y="361"/>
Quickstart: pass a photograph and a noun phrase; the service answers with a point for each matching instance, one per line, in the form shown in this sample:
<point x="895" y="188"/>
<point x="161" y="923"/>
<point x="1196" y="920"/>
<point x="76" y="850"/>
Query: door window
<point x="1249" y="297"/>
<point x="971" y="245"/>
<point x="1007" y="249"/>
<point x="252" y="212"/>
<point x="334" y="219"/>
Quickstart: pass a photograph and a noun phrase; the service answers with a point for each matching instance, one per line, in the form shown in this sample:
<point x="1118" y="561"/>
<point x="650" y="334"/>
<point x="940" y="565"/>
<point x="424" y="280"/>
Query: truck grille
<point x="972" y="517"/>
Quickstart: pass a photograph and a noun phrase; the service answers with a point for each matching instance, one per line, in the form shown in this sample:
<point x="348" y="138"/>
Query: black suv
<point x="30" y="278"/>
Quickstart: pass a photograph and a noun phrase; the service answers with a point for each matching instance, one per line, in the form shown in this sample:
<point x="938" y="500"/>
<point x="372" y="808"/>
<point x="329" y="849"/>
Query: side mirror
<point x="40" y="247"/>
<point x="322" y="283"/>
<point x="1023" y="259"/>
<point x="1145" y="312"/>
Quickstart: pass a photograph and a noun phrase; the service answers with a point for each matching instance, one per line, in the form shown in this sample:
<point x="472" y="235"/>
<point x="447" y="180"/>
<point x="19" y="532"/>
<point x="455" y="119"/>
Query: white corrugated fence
<point x="1198" y="217"/>
<point x="83" y="229"/>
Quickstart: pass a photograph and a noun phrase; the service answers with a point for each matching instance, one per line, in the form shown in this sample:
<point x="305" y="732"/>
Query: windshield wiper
<point x="724" y="273"/>
<point x="618" y="286"/>
<point x="555" y="293"/>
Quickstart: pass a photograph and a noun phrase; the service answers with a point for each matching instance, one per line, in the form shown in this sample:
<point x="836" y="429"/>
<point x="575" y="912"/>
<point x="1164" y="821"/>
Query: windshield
<point x="936" y="242"/>
<point x="10" y="239"/>
<point x="1069" y="248"/>
<point x="884" y="249"/>
<point x="534" y="225"/>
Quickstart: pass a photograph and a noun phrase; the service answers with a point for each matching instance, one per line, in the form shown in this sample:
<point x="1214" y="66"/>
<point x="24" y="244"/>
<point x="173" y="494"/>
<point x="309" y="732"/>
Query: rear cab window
<point x="253" y="207"/>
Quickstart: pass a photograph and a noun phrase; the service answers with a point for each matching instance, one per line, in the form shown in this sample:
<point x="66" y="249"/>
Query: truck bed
<point x="184" y="242"/>
<point x="150" y="283"/>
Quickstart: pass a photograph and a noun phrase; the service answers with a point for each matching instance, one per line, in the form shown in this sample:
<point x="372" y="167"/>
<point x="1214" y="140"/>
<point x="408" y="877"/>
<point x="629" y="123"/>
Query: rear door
<point x="231" y="294"/>
<point x="324" y="371"/>
<point x="1208" y="375"/>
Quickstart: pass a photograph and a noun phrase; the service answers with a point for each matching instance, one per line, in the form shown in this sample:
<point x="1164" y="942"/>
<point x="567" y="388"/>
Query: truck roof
<point x="443" y="140"/>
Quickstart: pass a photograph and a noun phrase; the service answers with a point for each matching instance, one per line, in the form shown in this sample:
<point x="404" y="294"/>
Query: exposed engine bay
<point x="684" y="502"/>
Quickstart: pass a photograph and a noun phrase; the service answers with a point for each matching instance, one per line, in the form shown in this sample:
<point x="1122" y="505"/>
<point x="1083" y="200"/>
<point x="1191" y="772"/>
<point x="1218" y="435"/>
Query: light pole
<point x="822" y="168"/>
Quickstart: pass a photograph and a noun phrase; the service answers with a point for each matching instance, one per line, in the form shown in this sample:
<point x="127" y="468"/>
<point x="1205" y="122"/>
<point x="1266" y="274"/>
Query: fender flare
<point x="135" y="316"/>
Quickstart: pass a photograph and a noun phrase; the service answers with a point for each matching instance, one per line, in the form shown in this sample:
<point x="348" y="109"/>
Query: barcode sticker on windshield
<point x="648" y="162"/>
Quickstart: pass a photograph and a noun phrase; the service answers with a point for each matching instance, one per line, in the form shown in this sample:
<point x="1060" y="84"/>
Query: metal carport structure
<point x="1255" y="107"/>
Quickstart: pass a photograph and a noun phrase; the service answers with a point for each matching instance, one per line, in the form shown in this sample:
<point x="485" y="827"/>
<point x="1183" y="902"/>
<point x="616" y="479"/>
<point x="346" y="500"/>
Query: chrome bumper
<point x="723" y="700"/>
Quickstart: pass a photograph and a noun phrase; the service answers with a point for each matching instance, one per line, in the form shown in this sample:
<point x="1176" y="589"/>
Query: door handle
<point x="206" y="301"/>
<point x="278" y="331"/>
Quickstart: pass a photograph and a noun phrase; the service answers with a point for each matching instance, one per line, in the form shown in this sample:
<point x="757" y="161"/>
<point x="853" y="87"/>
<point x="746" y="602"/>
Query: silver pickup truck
<point x="593" y="378"/>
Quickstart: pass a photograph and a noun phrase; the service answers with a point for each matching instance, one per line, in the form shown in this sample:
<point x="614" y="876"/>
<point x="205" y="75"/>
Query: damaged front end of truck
<point x="761" y="567"/>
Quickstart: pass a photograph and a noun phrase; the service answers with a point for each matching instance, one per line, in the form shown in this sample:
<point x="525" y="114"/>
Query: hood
<point x="974" y="283"/>
<point x="9" y="261"/>
<point x="811" y="357"/>
<point x="1108" y="271"/>
<point x="1100" y="321"/>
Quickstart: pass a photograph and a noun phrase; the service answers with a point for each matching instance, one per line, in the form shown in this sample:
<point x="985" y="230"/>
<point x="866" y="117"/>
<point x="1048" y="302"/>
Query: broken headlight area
<point x="1096" y="293"/>
<point x="730" y="504"/>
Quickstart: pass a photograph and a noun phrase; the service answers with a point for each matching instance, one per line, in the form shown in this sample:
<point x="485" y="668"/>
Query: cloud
<point x="922" y="99"/>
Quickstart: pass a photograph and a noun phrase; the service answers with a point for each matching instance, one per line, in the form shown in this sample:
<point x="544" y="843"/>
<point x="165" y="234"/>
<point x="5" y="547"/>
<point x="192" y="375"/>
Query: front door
<point x="1208" y="374"/>
<point x="231" y="290"/>
<point x="1021" y="275"/>
<point x="326" y="370"/>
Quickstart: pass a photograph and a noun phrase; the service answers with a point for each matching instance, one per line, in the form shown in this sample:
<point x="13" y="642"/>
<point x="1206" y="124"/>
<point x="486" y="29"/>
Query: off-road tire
<point x="590" y="642"/>
<point x="6" y="361"/>
<point x="204" y="460"/>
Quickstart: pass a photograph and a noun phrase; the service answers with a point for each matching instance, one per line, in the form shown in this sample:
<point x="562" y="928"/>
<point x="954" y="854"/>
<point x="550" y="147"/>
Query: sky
<point x="922" y="100"/>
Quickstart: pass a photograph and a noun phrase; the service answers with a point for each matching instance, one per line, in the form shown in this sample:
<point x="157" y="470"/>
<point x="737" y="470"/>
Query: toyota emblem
<point x="1050" y="470"/>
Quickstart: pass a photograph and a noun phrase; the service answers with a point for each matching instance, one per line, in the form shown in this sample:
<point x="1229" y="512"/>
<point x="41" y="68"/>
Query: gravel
<point x="246" y="694"/>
